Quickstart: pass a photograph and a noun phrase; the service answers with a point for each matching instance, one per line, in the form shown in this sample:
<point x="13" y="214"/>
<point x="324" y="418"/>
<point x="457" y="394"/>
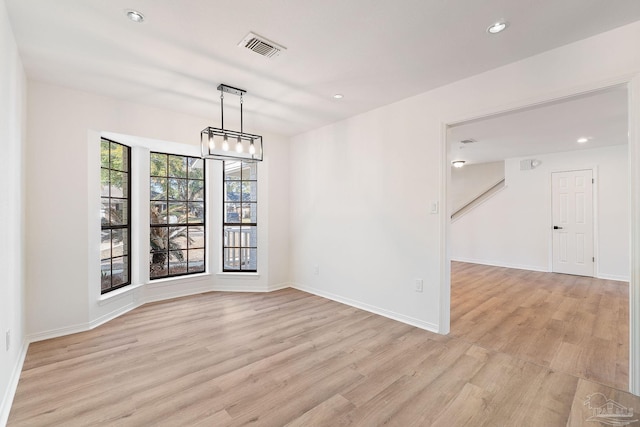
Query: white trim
<point x="595" y="199"/>
<point x="83" y="327"/>
<point x="216" y="288"/>
<point x="278" y="286"/>
<point x="370" y="308"/>
<point x="117" y="294"/>
<point x="171" y="281"/>
<point x="7" y="399"/>
<point x="178" y="294"/>
<point x="58" y="332"/>
<point x="613" y="277"/>
<point x="240" y="288"/>
<point x="250" y="288"/>
<point x="634" y="250"/>
<point x="237" y="275"/>
<point x="501" y="264"/>
<point x="444" y="314"/>
<point x="110" y="316"/>
<point x="532" y="268"/>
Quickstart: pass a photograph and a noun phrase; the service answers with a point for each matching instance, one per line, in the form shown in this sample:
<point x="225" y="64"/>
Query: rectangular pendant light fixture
<point x="224" y="144"/>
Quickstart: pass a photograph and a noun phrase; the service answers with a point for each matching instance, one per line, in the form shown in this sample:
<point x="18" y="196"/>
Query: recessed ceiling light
<point x="135" y="16"/>
<point x="582" y="140"/>
<point x="338" y="96"/>
<point x="458" y="163"/>
<point x="497" y="27"/>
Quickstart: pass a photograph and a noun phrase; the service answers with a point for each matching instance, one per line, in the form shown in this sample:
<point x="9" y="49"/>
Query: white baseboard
<point x="257" y="288"/>
<point x="7" y="400"/>
<point x="82" y="327"/>
<point x="175" y="294"/>
<point x="278" y="286"/>
<point x="110" y="316"/>
<point x="243" y="288"/>
<point x="532" y="268"/>
<point x="58" y="332"/>
<point x="613" y="277"/>
<point x="500" y="264"/>
<point x="74" y="329"/>
<point x="431" y="327"/>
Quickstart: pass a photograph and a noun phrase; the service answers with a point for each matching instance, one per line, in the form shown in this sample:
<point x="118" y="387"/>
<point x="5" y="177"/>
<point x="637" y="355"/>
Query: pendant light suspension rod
<point x="222" y="108"/>
<point x="241" y="124"/>
<point x="235" y="91"/>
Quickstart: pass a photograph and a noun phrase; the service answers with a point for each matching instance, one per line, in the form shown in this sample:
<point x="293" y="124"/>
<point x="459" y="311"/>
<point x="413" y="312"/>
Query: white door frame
<point x="633" y="89"/>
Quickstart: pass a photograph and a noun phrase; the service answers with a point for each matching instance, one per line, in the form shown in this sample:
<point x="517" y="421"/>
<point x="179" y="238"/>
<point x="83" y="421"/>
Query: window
<point x="177" y="215"/>
<point x="240" y="224"/>
<point x="115" y="215"/>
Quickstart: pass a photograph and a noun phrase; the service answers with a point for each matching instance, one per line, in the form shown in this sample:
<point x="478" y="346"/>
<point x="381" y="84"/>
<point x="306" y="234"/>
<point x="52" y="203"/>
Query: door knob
<point x="555" y="227"/>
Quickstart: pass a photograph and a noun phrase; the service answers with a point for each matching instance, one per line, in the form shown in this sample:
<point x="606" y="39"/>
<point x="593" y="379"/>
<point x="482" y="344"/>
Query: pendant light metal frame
<point x="212" y="139"/>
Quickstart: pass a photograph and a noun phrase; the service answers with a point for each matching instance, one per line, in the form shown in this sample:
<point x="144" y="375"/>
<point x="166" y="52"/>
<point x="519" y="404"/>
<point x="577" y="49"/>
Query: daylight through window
<point x="177" y="215"/>
<point x="115" y="215"/>
<point x="240" y="224"/>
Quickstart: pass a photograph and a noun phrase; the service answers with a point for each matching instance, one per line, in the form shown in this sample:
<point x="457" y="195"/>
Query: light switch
<point x="434" y="207"/>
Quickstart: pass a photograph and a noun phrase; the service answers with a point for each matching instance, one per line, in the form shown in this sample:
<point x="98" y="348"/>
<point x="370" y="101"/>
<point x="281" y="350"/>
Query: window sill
<point x="118" y="292"/>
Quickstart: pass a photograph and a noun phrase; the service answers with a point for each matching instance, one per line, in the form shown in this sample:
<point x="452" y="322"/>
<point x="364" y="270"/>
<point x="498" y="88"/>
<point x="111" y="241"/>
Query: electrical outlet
<point x="8" y="339"/>
<point x="316" y="270"/>
<point x="418" y="285"/>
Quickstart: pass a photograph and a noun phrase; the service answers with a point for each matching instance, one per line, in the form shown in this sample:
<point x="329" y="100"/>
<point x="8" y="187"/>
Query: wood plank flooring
<point x="573" y="324"/>
<point x="289" y="358"/>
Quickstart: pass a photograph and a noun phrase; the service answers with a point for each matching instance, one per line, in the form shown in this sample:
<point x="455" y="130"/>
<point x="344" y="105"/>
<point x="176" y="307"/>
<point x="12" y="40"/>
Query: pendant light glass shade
<point x="211" y="142"/>
<point x="248" y="149"/>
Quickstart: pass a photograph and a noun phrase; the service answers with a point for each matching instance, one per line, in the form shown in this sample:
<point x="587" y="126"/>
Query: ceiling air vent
<point x="468" y="141"/>
<point x="261" y="45"/>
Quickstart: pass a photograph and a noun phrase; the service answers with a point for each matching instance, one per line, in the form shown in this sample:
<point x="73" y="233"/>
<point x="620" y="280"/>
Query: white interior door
<point x="572" y="204"/>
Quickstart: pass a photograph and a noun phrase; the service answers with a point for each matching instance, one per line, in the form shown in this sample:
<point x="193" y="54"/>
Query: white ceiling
<point x="601" y="116"/>
<point x="373" y="51"/>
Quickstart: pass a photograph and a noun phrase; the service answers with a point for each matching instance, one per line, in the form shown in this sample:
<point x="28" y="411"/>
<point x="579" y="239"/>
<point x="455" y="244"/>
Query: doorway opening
<point x="519" y="285"/>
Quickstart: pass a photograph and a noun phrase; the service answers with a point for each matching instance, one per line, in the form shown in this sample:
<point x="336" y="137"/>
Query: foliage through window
<point x="177" y="215"/>
<point x="240" y="223"/>
<point x="115" y="215"/>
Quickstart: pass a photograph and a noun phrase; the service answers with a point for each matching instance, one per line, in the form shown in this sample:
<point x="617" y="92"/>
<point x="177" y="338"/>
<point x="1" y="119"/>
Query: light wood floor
<point x="573" y="324"/>
<point x="294" y="359"/>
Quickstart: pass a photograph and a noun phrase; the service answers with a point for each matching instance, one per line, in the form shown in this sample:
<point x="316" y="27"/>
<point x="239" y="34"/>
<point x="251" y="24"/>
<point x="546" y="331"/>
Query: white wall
<point x="513" y="228"/>
<point x="12" y="136"/>
<point x="360" y="207"/>
<point x="359" y="210"/>
<point x="472" y="180"/>
<point x="63" y="209"/>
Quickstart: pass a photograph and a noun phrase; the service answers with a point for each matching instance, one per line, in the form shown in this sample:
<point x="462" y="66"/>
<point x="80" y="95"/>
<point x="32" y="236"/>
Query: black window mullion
<point x="236" y="246"/>
<point x="125" y="256"/>
<point x="185" y="200"/>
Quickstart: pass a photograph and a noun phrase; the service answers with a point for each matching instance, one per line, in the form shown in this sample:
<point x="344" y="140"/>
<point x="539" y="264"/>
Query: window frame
<point x="188" y="224"/>
<point x="238" y="224"/>
<point x="126" y="226"/>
